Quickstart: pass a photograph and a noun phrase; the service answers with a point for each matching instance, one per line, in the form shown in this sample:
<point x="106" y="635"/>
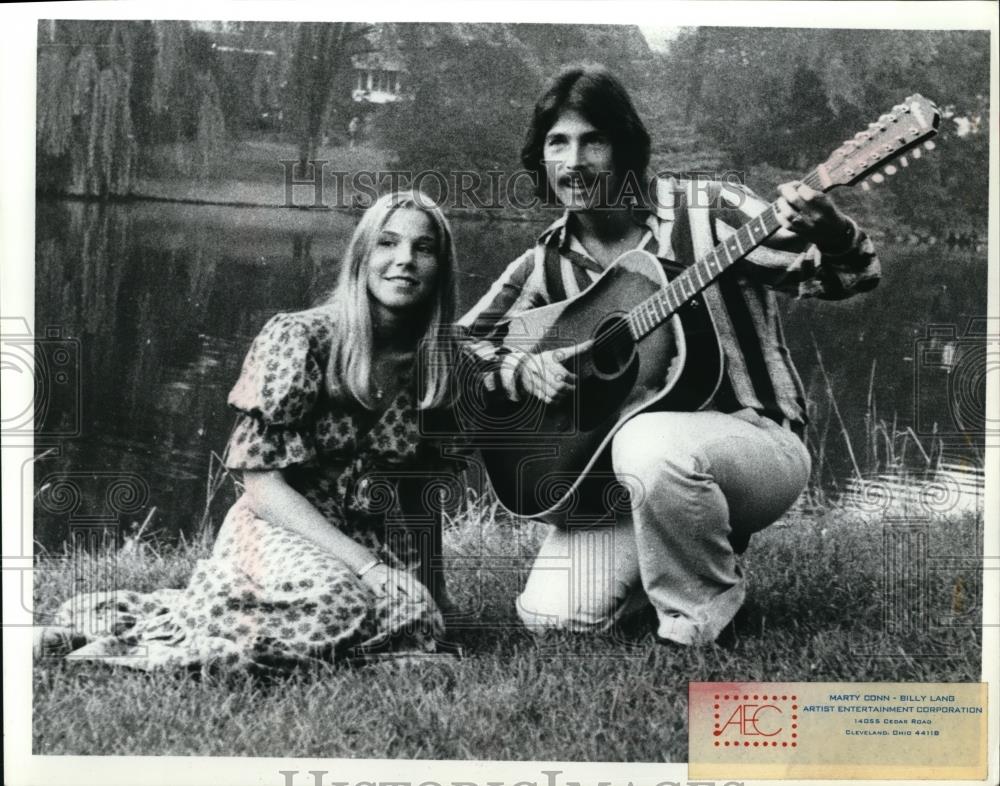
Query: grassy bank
<point x="249" y="172"/>
<point x="818" y="589"/>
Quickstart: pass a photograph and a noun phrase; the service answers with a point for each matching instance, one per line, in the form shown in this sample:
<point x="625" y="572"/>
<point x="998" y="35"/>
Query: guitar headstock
<point x="908" y="126"/>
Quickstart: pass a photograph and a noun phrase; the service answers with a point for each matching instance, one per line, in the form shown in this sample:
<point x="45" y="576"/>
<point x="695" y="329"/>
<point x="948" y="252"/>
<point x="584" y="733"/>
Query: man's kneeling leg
<point x="583" y="579"/>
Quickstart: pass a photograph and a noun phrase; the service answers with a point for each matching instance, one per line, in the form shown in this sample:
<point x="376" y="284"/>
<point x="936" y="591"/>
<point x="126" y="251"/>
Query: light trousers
<point x="699" y="482"/>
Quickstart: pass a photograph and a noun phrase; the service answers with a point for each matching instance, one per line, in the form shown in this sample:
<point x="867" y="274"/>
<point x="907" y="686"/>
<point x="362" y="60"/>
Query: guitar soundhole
<point x="613" y="348"/>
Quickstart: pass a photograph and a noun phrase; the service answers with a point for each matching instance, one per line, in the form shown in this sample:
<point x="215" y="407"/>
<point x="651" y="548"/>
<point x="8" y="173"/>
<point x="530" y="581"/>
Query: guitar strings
<point x="812" y="180"/>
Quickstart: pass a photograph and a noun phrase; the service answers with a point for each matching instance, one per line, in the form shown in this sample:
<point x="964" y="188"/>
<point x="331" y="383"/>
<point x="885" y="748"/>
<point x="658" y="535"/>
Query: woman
<point x="305" y="566"/>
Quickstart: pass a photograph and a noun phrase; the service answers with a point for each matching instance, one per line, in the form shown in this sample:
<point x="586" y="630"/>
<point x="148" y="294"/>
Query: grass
<point x="814" y="613"/>
<point x="248" y="172"/>
<point x="819" y="588"/>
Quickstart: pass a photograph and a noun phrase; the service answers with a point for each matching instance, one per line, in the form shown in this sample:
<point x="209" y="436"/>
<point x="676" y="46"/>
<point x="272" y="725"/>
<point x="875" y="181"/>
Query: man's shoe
<point x="670" y="644"/>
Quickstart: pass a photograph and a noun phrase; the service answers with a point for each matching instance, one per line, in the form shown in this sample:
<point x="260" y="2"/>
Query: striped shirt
<point x="759" y="370"/>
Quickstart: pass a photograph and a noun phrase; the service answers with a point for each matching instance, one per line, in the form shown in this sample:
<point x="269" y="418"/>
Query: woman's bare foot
<point x="55" y="641"/>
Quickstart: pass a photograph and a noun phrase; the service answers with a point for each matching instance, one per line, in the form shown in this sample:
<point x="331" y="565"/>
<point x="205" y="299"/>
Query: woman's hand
<point x="271" y="498"/>
<point x="394" y="583"/>
<point x="405" y="601"/>
<point x="812" y="215"/>
<point x="544" y="376"/>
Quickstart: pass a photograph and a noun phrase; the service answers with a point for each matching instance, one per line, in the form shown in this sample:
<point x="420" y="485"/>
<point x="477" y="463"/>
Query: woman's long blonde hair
<point x="349" y="370"/>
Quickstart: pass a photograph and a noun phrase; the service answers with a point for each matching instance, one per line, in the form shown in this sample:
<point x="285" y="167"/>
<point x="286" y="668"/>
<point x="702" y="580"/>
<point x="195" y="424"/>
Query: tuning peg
<point x="915" y="152"/>
<point x="890" y="170"/>
<point x="878" y="177"/>
<point x="902" y="161"/>
<point x="929" y="144"/>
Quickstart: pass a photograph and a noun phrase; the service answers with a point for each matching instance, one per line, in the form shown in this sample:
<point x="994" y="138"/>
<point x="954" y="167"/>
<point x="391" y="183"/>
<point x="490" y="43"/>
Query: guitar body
<point x="544" y="458"/>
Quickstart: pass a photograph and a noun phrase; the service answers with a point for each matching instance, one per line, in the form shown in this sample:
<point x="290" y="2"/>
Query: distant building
<point x="378" y="78"/>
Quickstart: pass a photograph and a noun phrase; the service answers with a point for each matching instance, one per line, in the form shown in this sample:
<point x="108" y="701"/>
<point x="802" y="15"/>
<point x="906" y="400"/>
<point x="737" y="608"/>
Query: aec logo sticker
<point x="755" y="720"/>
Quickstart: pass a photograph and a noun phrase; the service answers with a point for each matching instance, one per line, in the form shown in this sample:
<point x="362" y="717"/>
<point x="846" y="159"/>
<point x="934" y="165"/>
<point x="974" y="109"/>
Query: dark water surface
<point x="157" y="304"/>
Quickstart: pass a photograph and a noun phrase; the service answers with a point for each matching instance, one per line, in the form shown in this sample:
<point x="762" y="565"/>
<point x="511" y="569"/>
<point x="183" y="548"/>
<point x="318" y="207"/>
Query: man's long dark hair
<point x="603" y="101"/>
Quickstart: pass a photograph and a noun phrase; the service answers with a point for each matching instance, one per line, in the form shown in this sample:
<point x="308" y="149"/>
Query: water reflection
<point x="164" y="300"/>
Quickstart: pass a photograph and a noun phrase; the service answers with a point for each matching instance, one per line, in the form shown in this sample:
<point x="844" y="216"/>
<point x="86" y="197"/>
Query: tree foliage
<point x="108" y="92"/>
<point x="84" y="122"/>
<point x="107" y="89"/>
<point x="787" y="97"/>
<point x="467" y="100"/>
<point x="320" y="69"/>
<point x="471" y="88"/>
<point x="765" y="101"/>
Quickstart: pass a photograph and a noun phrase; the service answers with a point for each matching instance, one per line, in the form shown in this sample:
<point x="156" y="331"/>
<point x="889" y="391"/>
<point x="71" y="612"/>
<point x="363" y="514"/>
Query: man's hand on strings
<point x="544" y="376"/>
<point x="813" y="216"/>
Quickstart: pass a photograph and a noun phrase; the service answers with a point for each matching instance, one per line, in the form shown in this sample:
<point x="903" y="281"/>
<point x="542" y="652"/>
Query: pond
<point x="156" y="305"/>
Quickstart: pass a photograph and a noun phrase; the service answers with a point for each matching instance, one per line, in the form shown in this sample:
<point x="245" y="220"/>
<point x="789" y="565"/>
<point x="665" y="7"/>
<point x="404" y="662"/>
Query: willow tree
<point x="107" y="91"/>
<point x="85" y="140"/>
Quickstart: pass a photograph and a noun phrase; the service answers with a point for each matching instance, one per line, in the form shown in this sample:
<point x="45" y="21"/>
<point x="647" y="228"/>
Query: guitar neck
<point x="655" y="310"/>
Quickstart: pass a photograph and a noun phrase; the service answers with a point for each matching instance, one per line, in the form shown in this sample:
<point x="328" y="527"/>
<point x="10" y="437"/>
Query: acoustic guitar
<point x="654" y="345"/>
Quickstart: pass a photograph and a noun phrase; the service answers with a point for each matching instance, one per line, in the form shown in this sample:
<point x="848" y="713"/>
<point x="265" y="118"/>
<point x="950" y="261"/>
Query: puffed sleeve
<point x="276" y="397"/>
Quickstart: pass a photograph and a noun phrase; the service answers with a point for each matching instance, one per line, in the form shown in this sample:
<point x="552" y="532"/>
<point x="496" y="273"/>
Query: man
<point x="710" y="478"/>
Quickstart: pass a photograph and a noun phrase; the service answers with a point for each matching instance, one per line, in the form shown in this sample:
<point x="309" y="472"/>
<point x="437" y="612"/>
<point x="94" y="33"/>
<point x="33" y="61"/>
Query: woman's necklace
<point x="388" y="373"/>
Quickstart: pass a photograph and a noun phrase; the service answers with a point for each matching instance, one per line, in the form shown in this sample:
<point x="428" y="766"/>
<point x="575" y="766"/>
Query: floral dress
<point x="269" y="596"/>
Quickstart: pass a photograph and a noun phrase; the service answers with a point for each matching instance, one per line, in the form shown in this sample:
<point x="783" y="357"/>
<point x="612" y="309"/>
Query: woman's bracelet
<point x="373" y="564"/>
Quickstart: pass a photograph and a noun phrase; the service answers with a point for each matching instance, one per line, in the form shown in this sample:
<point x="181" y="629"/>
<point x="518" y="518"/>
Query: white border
<point x="17" y="144"/>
